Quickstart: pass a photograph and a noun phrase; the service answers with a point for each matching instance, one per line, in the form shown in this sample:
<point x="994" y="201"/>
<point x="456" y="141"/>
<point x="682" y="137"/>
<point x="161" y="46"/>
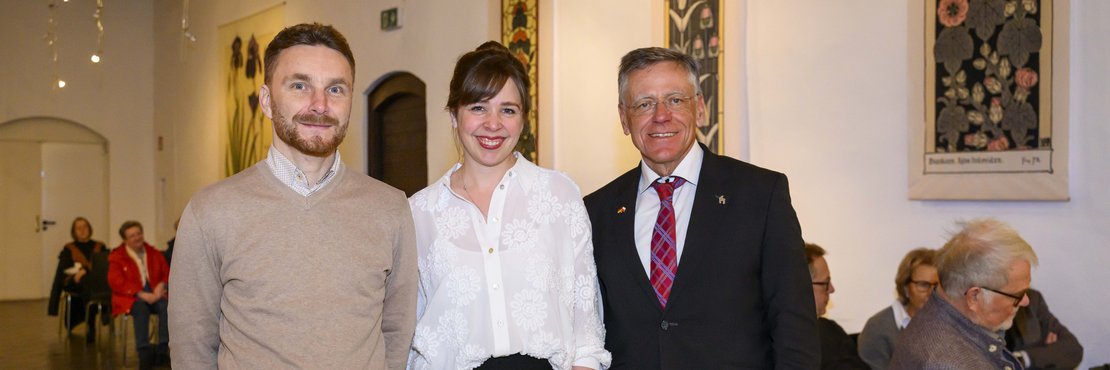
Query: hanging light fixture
<point x="51" y="38"/>
<point x="95" y="58"/>
<point x="188" y="35"/>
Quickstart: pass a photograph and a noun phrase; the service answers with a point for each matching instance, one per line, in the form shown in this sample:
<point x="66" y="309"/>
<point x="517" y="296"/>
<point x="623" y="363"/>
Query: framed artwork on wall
<point x="247" y="132"/>
<point x="520" y="33"/>
<point x="994" y="102"/>
<point x="695" y="28"/>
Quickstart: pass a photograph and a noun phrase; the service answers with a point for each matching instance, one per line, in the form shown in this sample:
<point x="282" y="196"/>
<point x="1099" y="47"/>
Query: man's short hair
<point x="306" y="34"/>
<point x="127" y="225"/>
<point x="812" y="252"/>
<point x="913" y="259"/>
<point x="646" y="57"/>
<point x="981" y="255"/>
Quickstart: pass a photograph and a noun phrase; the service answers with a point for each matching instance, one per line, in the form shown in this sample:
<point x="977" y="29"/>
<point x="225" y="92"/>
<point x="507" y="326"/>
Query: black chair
<point x="98" y="292"/>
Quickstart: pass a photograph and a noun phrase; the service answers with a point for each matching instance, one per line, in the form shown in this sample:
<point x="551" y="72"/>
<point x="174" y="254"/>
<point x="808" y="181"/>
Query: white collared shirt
<point x="901" y="317"/>
<point x="521" y="279"/>
<point x="647" y="205"/>
<point x="291" y="176"/>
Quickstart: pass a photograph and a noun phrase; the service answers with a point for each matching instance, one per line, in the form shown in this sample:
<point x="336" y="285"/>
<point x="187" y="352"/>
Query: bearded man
<point x="298" y="261"/>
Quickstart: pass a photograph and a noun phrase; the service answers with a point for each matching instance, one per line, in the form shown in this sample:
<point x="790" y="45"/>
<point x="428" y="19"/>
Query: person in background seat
<point x="1039" y="340"/>
<point x="914" y="282"/>
<point x="838" y="351"/>
<point x="74" y="263"/>
<point x="137" y="274"/>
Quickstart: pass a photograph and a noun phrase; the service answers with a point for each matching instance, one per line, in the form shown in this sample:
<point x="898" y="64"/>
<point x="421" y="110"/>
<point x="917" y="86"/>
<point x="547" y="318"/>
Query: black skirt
<point x="515" y="361"/>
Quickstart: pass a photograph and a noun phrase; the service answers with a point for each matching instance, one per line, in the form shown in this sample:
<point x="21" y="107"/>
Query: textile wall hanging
<point x="995" y="102"/>
<point x="520" y="33"/>
<point x="694" y="28"/>
<point x="247" y="131"/>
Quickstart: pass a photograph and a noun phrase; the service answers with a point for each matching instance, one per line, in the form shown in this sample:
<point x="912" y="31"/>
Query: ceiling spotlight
<point x="61" y="83"/>
<point x="95" y="58"/>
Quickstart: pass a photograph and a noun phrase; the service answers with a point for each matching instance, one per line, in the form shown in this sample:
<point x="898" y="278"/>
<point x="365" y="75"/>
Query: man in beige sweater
<point x="298" y="261"/>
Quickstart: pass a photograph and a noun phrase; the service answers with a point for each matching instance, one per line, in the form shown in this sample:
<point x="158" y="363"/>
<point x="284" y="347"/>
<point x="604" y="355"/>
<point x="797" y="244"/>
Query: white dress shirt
<point x="647" y="205"/>
<point x="520" y="280"/>
<point x="901" y="317"/>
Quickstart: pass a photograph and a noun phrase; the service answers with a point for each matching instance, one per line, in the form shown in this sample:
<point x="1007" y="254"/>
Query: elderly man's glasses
<point x="924" y="285"/>
<point x="824" y="285"/>
<point x="676" y="103"/>
<point x="1016" y="297"/>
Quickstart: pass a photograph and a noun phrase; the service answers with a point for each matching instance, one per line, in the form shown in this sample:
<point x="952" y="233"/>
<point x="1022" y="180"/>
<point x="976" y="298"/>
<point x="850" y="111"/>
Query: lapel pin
<point x="721" y="199"/>
<point x="620" y="210"/>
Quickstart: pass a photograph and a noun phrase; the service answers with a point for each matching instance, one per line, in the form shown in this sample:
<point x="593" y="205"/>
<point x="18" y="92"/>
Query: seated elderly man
<point x="137" y="274"/>
<point x="985" y="273"/>
<point x="1040" y="340"/>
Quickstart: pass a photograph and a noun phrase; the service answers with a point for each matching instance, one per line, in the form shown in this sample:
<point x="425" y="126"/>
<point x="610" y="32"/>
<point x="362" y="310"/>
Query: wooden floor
<point x="29" y="339"/>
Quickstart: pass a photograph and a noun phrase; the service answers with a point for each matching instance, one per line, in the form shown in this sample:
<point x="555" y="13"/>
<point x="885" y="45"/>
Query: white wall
<point x="828" y="84"/>
<point x="113" y="98"/>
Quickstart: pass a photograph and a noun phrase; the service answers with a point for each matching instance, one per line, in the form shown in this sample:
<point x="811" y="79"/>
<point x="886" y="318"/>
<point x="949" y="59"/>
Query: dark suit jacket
<point x="741" y="297"/>
<point x="1031" y="325"/>
<point x="838" y="350"/>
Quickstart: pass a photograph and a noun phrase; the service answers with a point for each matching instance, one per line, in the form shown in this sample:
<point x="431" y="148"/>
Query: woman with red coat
<point x="137" y="274"/>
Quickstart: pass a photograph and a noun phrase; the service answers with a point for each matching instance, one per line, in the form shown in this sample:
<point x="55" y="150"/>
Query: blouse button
<point x="502" y="187"/>
<point x="500" y="323"/>
<point x="992" y="348"/>
<point x="491" y="252"/>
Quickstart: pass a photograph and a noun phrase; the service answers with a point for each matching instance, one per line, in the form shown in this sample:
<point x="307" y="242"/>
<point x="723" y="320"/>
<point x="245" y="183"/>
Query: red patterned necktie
<point x="664" y="249"/>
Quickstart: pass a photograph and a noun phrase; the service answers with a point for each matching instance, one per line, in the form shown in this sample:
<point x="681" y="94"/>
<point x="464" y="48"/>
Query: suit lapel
<point x="624" y="224"/>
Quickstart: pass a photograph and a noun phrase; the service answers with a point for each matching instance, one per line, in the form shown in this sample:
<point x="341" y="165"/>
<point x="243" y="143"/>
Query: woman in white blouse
<point x="507" y="275"/>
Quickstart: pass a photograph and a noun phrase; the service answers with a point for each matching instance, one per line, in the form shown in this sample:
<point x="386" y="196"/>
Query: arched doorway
<point x="51" y="171"/>
<point x="397" y="138"/>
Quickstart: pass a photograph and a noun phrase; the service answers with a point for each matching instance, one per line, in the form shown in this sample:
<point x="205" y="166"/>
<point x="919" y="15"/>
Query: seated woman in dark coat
<point x="74" y="265"/>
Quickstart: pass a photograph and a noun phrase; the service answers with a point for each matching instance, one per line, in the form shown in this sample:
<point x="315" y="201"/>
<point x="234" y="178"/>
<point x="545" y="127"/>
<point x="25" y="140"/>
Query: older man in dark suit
<point x="699" y="256"/>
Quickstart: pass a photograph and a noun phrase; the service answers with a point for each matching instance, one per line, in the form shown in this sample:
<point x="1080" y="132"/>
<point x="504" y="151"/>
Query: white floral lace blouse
<point x="521" y="280"/>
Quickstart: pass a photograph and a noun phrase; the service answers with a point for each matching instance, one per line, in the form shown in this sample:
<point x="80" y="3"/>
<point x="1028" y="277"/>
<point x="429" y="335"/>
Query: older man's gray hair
<point x="646" y="57"/>
<point x="981" y="255"/>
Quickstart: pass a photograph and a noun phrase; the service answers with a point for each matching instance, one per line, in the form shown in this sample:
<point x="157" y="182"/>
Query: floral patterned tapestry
<point x="989" y="103"/>
<point x="694" y="28"/>
<point x="247" y="131"/>
<point x="520" y="33"/>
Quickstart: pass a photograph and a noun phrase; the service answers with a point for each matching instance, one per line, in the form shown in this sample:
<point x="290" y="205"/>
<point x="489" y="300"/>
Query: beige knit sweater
<point x="265" y="278"/>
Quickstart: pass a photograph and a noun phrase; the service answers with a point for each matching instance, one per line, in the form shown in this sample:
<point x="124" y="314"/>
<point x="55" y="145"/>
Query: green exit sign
<point x="391" y="20"/>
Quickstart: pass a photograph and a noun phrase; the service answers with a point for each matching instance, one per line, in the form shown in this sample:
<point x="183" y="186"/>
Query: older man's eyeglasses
<point x="1016" y="297"/>
<point x="676" y="103"/>
<point x="925" y="286"/>
<point x="823" y="285"/>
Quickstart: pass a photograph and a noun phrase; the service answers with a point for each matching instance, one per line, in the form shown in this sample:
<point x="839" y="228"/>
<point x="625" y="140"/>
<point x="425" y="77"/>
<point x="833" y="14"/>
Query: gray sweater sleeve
<point x="399" y="306"/>
<point x="194" y="308"/>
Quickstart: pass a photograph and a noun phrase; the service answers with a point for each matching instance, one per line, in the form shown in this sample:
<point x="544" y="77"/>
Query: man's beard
<point x="1005" y="325"/>
<point x="316" y="146"/>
